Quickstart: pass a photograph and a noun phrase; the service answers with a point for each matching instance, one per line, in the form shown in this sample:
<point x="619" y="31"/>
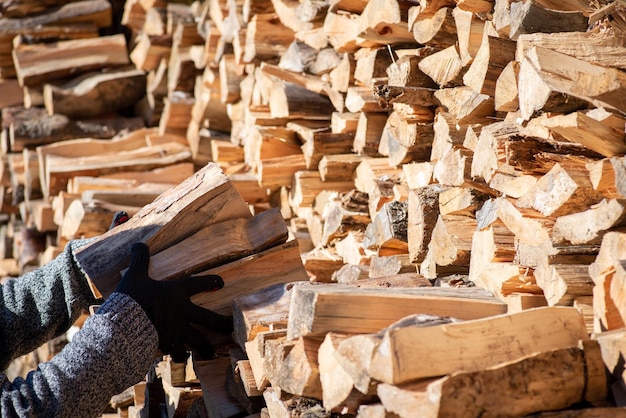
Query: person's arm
<point x="41" y="305"/>
<point x="113" y="351"/>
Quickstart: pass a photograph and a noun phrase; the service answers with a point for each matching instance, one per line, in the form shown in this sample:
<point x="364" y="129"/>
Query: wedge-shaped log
<point x="261" y="310"/>
<point x="597" y="130"/>
<point x="549" y="380"/>
<point x="205" y="198"/>
<point x="318" y="309"/>
<point x="59" y="170"/>
<point x="565" y="189"/>
<point x="590" y="226"/>
<point x="279" y="264"/>
<point x="600" y="86"/>
<point x="95" y="93"/>
<point x="218" y="244"/>
<point x="338" y="385"/>
<point x="298" y="373"/>
<point x="39" y="63"/>
<point x="401" y="355"/>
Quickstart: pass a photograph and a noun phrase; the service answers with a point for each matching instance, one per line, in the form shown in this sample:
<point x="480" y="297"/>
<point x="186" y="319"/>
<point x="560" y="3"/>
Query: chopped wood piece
<point x="212" y="375"/>
<point x="399" y="357"/>
<point x="338" y="391"/>
<point x="490" y="60"/>
<point x="438" y="30"/>
<point x="259" y="311"/>
<point x="247" y="236"/>
<point x="589" y="226"/>
<point x="565" y="189"/>
<point x="202" y="197"/>
<point x="597" y="130"/>
<point x="95" y="94"/>
<point x="562" y="283"/>
<point x="466" y="105"/>
<point x="607" y="274"/>
<point x="592" y="83"/>
<point x="531" y="17"/>
<point x="339" y="166"/>
<point x="298" y="372"/>
<point x="36" y="64"/>
<point x="381" y="307"/>
<point x="279" y="264"/>
<point x="445" y="67"/>
<point x="582" y="380"/>
<point x="384" y="22"/>
<point x="368" y="133"/>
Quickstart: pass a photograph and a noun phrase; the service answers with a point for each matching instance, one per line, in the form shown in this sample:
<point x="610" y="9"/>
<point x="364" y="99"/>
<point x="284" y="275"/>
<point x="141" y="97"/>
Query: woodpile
<point x="418" y="208"/>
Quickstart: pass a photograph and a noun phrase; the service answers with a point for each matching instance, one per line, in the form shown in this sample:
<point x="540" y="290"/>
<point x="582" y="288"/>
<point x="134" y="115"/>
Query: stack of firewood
<point x="447" y="174"/>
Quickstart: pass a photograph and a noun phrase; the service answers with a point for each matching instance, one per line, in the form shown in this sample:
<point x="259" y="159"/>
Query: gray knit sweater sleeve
<point x="41" y="304"/>
<point x="113" y="350"/>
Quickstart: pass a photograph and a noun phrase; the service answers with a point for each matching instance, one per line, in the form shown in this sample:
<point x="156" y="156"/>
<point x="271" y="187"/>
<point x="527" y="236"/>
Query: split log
<point x="399" y="358"/>
<point x="388" y="229"/>
<point x="466" y="105"/>
<point x="36" y="64"/>
<point x="260" y="311"/>
<point x="247" y="236"/>
<point x="279" y="264"/>
<point x="338" y="391"/>
<point x="438" y="31"/>
<point x="594" y="84"/>
<point x="563" y="283"/>
<point x="58" y="170"/>
<point x="209" y="189"/>
<point x="584" y="380"/>
<point x="506" y="94"/>
<point x="29" y="128"/>
<point x="310" y="316"/>
<point x="607" y="274"/>
<point x="589" y="226"/>
<point x="490" y="60"/>
<point x="565" y="189"/>
<point x="597" y="130"/>
<point x="531" y="17"/>
<point x="607" y="177"/>
<point x="339" y="166"/>
<point x="422" y="212"/>
<point x="212" y="375"/>
<point x="445" y="67"/>
<point x="298" y="372"/>
<point x="385" y="22"/>
<point x="95" y="94"/>
<point x="368" y="133"/>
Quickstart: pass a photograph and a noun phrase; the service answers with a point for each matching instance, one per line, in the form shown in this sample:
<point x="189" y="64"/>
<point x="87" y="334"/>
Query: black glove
<point x="168" y="305"/>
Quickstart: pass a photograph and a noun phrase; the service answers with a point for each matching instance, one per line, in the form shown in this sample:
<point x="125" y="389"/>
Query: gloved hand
<point x="167" y="304"/>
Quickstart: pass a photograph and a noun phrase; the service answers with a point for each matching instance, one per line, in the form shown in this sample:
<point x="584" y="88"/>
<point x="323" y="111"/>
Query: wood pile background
<point x="453" y="172"/>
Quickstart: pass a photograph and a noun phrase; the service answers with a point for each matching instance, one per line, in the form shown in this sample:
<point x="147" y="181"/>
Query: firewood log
<point x="338" y="391"/>
<point x="36" y="64"/>
<point x="399" y="357"/>
<point x="207" y="185"/>
<point x="466" y="105"/>
<point x="369" y="129"/>
<point x="438" y="31"/>
<point x="597" y="130"/>
<point x="95" y="94"/>
<point x="385" y="22"/>
<point x="585" y="380"/>
<point x="543" y="20"/>
<point x="309" y="316"/>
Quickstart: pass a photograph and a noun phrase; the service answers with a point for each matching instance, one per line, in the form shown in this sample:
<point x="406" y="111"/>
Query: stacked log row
<point x="431" y="145"/>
